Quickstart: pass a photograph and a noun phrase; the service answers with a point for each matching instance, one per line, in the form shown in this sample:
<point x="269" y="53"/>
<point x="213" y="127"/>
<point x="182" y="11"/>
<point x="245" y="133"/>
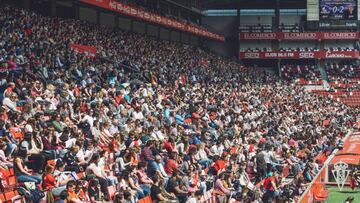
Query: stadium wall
<point x="103" y="17"/>
<point x="254" y="20"/>
<point x="107" y="19"/>
<point x="78" y="10"/>
<point x="124" y="23"/>
<point x="139" y="27"/>
<point x="290" y="19"/>
<point x="226" y="25"/>
<point x="88" y="14"/>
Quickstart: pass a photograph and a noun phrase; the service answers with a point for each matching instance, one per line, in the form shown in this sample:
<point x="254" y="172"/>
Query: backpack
<point x="32" y="195"/>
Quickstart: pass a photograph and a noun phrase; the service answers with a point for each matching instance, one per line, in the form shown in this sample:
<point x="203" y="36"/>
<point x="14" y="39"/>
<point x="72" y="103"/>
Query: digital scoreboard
<point x="338" y="10"/>
<point x="334" y="14"/>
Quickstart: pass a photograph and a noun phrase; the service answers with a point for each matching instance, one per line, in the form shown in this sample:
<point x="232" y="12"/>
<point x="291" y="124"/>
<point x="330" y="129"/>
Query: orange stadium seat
<point x="2" y="197"/>
<point x="146" y="199"/>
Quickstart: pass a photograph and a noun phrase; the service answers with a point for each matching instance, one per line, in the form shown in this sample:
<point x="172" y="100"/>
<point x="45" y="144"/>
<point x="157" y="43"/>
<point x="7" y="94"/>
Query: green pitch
<point x="335" y="196"/>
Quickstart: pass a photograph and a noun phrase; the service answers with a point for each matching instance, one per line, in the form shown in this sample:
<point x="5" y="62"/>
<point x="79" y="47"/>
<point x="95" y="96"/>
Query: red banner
<point x="140" y="13"/>
<point x="83" y="49"/>
<point x="300" y="55"/>
<point x="351" y="145"/>
<point x="299" y="35"/>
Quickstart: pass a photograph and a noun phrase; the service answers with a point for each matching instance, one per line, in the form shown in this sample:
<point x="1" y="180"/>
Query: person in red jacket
<point x="270" y="185"/>
<point x="49" y="181"/>
<point x="171" y="164"/>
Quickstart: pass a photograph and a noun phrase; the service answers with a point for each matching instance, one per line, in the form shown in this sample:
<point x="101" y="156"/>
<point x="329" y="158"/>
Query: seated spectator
<point x="4" y="162"/>
<point x="221" y="186"/>
<point x="160" y="195"/>
<point x="21" y="171"/>
<point x="96" y="171"/>
<point x="94" y="191"/>
<point x="8" y="139"/>
<point x="143" y="178"/>
<point x="34" y="149"/>
<point x="71" y="161"/>
<point x="49" y="181"/>
<point x="63" y="197"/>
<point x="72" y="196"/>
<point x="173" y="186"/>
<point x="61" y="178"/>
<point x="171" y="164"/>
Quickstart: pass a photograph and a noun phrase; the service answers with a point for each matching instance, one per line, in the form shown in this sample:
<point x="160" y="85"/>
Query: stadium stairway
<point x="323" y="73"/>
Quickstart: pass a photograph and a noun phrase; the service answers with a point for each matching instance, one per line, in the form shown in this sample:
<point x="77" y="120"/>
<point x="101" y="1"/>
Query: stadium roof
<point x="251" y="4"/>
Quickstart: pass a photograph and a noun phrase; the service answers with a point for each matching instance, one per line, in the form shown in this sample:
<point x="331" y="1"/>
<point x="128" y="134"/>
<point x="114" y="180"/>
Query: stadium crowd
<point x="296" y="71"/>
<point x="151" y="118"/>
<point x="343" y="70"/>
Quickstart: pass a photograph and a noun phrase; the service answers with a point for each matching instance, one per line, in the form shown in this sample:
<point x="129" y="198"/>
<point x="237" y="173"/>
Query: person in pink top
<point x="11" y="64"/>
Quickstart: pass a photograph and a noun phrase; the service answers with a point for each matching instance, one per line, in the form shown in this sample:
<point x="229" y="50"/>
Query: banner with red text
<point x="140" y="13"/>
<point x="299" y="36"/>
<point x="300" y="55"/>
<point x="84" y="49"/>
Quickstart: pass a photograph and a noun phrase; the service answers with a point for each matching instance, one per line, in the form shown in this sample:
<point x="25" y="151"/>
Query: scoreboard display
<point x="338" y="9"/>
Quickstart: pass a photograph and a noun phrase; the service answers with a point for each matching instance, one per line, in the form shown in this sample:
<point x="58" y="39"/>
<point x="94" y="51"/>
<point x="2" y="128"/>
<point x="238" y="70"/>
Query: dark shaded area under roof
<point x="251" y="4"/>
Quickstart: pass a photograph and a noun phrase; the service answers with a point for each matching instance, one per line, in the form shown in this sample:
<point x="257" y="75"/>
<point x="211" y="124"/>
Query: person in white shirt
<point x="158" y="135"/>
<point x="62" y="177"/>
<point x="114" y="127"/>
<point x="89" y="119"/>
<point x="217" y="149"/>
<point x="95" y="132"/>
<point x="202" y="157"/>
<point x="10" y="102"/>
<point x="137" y="114"/>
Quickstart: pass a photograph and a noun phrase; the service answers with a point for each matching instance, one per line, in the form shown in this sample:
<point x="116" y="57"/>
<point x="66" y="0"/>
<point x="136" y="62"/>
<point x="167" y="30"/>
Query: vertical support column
<point x="76" y="7"/>
<point x="26" y="4"/>
<point x="238" y="33"/>
<point x="319" y="62"/>
<point x="159" y="31"/>
<point x="201" y="41"/>
<point x="97" y="17"/>
<point x="132" y="25"/>
<point x="321" y="45"/>
<point x="170" y="35"/>
<point x="53" y="8"/>
<point x="168" y="9"/>
<point x="146" y="29"/>
<point x="158" y="4"/>
<point x="277" y="15"/>
<point x="279" y="66"/>
<point x="116" y="22"/>
<point x="276" y="43"/>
